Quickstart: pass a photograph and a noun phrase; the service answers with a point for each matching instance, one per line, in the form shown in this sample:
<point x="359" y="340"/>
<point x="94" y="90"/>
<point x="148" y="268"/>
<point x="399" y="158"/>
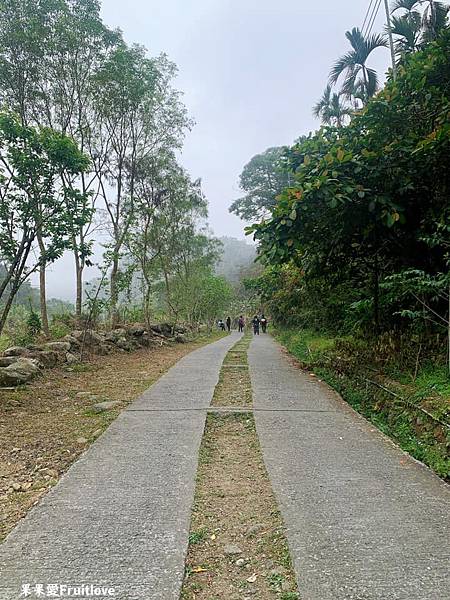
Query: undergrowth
<point x="394" y="397"/>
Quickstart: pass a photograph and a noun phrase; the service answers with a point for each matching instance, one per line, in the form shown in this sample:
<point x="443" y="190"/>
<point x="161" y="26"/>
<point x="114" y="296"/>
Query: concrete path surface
<point x="120" y="516"/>
<point x="364" y="520"/>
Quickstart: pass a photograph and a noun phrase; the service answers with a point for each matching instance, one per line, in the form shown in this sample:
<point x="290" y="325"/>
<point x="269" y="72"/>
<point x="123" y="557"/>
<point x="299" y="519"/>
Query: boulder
<point x="5" y="361"/>
<point x="166" y="329"/>
<point x="60" y="347"/>
<point x="115" y="335"/>
<point x="19" y="372"/>
<point x="137" y="329"/>
<point x="72" y="358"/>
<point x="124" y="344"/>
<point x="181" y="339"/>
<point x="156" y="327"/>
<point x="89" y="337"/>
<point x="72" y="341"/>
<point x="47" y="358"/>
<point x="15" y="351"/>
<point x="104" y="406"/>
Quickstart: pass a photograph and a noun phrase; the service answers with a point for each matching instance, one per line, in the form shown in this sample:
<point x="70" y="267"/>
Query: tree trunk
<point x="114" y="294"/>
<point x="376" y="294"/>
<point x="448" y="329"/>
<point x="7" y="306"/>
<point x="42" y="288"/>
<point x="79" y="291"/>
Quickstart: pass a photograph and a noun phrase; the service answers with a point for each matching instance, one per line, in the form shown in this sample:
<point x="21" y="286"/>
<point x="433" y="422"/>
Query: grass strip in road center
<point x="237" y="545"/>
<point x="234" y="387"/>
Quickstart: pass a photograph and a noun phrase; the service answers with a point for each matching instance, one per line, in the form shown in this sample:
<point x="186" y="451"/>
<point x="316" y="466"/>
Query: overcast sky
<point x="250" y="71"/>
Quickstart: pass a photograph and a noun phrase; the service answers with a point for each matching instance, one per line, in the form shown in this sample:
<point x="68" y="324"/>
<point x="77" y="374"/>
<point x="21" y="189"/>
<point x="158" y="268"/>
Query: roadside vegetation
<point x="354" y="233"/>
<point x="90" y="128"/>
<point x="410" y="403"/>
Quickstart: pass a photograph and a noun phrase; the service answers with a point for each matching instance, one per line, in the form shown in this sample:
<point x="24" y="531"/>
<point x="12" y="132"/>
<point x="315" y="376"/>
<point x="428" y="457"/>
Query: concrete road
<point x="364" y="520"/>
<point x="119" y="518"/>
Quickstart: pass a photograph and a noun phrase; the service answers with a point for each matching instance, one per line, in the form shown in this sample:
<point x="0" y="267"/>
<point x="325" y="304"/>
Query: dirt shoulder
<point x="47" y="424"/>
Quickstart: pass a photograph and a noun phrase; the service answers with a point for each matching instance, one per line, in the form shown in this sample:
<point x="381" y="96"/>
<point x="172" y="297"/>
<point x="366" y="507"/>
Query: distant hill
<point x="237" y="256"/>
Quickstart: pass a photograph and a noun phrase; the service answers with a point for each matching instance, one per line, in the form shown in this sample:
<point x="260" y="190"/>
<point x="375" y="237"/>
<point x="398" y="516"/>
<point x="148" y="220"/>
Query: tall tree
<point x="32" y="200"/>
<point x="262" y="179"/>
<point x="331" y="109"/>
<point x="139" y="114"/>
<point x="49" y="51"/>
<point x="353" y="65"/>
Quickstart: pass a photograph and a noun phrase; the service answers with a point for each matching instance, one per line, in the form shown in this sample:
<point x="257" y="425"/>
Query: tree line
<point x="89" y="131"/>
<point x="354" y="219"/>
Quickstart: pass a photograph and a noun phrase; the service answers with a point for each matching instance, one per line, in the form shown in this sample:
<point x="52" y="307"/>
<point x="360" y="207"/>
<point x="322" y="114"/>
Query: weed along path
<point x="119" y="518"/>
<point x="364" y="520"/>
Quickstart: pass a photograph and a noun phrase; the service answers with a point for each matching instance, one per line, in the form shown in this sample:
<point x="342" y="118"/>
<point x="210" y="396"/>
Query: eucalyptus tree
<point x="331" y="109"/>
<point x="353" y="64"/>
<point x="139" y="114"/>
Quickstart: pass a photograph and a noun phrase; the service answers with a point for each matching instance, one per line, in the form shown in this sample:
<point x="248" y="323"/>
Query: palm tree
<point x="353" y="64"/>
<point x="330" y="109"/>
<point x="434" y="19"/>
<point x="414" y="28"/>
<point x="407" y="29"/>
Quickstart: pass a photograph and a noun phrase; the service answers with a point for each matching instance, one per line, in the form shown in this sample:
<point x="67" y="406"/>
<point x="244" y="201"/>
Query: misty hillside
<point x="237" y="256"/>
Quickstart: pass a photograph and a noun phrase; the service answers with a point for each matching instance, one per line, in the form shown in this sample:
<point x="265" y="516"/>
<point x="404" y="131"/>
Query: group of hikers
<point x="258" y="322"/>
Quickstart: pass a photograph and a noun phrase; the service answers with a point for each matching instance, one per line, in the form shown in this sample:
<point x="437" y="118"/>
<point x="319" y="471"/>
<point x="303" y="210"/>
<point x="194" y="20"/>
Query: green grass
<point x="196" y="537"/>
<point x="5" y="342"/>
<point x="406" y="424"/>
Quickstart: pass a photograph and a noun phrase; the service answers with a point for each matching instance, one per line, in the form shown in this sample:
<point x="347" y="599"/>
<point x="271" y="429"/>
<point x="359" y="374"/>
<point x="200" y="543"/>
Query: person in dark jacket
<point x="255" y="323"/>
<point x="241" y="324"/>
<point x="263" y="323"/>
<point x="228" y="322"/>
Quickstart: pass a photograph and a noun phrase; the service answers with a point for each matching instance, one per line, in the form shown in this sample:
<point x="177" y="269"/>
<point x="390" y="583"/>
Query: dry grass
<point x="234" y="387"/>
<point x="234" y="505"/>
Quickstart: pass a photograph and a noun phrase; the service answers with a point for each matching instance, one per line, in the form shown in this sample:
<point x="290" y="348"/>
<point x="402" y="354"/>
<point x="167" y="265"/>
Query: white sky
<point x="250" y="70"/>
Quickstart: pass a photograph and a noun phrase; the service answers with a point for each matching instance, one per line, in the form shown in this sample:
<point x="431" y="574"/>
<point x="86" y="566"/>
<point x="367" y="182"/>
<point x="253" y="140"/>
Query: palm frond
<point x="342" y="64"/>
<point x="404" y="4"/>
<point x="373" y="42"/>
<point x="372" y="82"/>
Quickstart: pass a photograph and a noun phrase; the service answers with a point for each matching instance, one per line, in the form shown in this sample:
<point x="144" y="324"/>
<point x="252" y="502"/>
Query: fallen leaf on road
<point x="252" y="578"/>
<point x="199" y="570"/>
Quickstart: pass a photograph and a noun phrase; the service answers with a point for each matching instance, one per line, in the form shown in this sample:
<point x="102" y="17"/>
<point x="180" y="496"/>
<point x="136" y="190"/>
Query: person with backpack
<point x="255" y="323"/>
<point x="263" y="323"/>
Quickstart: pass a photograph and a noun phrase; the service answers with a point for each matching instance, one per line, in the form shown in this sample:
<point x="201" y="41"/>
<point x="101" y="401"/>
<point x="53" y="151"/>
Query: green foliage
<point x="262" y="179"/>
<point x="33" y="323"/>
<point x="349" y="366"/>
<point x="366" y="200"/>
<point x="34" y="221"/>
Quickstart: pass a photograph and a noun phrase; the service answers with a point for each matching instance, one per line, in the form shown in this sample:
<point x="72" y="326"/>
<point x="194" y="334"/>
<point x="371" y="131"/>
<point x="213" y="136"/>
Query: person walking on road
<point x="228" y="322"/>
<point x="241" y="324"/>
<point x="263" y="323"/>
<point x="255" y="323"/>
